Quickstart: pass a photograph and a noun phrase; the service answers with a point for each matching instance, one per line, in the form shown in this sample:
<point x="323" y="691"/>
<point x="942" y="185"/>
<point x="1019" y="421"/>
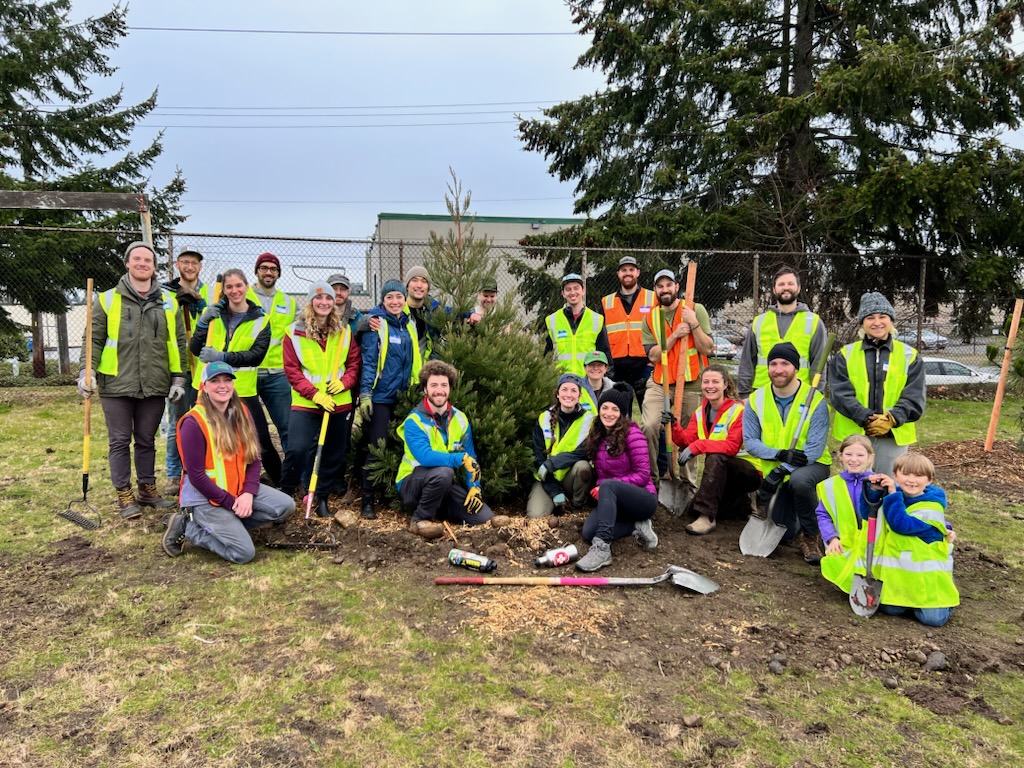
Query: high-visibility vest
<point x="720" y="428"/>
<point x="110" y="302"/>
<point x="625" y="330"/>
<point x="776" y="433"/>
<point x="242" y="339"/>
<point x="427" y="350"/>
<point x="316" y="363"/>
<point x="555" y="441"/>
<point x="800" y="334"/>
<point x="895" y="380"/>
<point x="458" y="427"/>
<point x="383" y="337"/>
<point x="915" y="574"/>
<point x="281" y="316"/>
<point x="695" y="362"/>
<point x="840" y="568"/>
<point x="572" y="346"/>
<point x="227" y="472"/>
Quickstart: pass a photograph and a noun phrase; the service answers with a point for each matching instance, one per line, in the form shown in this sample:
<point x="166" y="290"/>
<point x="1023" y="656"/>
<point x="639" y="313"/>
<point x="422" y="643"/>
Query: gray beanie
<point x="871" y="303"/>
<point x="319" y="288"/>
<point x="137" y="244"/>
<point x="416" y="271"/>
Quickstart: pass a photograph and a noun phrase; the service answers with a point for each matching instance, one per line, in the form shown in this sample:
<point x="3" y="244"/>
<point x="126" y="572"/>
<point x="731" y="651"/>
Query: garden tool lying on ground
<point x="82" y="513"/>
<point x="682" y="577"/>
<point x="866" y="591"/>
<point x="761" y="536"/>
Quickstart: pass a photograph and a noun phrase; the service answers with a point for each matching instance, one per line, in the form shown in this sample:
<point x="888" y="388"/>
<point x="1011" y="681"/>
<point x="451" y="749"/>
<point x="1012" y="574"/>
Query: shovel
<point x="315" y="474"/>
<point x="679" y="576"/>
<point x="760" y="536"/>
<point x="672" y="492"/>
<point x="866" y="592"/>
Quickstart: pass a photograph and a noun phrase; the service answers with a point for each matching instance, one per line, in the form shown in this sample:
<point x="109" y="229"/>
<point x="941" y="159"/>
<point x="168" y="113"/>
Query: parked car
<point x="940" y="370"/>
<point x="929" y="339"/>
<point x="724" y="348"/>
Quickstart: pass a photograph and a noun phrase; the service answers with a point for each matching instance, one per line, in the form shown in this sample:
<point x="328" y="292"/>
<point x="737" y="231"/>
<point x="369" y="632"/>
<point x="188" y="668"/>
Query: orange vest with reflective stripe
<point x="227" y="472"/>
<point x="623" y="329"/>
<point x="695" y="361"/>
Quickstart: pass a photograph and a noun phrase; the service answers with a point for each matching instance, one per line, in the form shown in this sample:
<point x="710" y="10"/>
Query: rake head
<point x="84" y="517"/>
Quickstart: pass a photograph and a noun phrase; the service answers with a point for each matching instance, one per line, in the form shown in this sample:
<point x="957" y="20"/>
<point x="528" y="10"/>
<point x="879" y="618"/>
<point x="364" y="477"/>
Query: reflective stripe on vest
<point x="895" y="380"/>
<point x="572" y="346"/>
<point x="110" y="303"/>
<point x="228" y="474"/>
<point x="915" y="574"/>
<point x="800" y="334"/>
<point x="458" y="426"/>
<point x="840" y="568"/>
<point x="281" y="316"/>
<point x="316" y="363"/>
<point x="242" y="339"/>
<point x="694" y="360"/>
<point x="775" y="433"/>
<point x="554" y="442"/>
<point x="625" y="330"/>
<point x="382" y="351"/>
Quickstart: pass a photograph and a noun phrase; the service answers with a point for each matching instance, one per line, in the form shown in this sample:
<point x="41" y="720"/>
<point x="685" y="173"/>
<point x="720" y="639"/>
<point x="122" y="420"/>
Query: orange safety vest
<point x="227" y="472"/>
<point x="624" y="330"/>
<point x="695" y="362"/>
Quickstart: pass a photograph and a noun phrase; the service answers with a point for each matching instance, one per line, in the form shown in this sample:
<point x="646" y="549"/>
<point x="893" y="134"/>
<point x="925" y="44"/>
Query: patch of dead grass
<point x="551" y="611"/>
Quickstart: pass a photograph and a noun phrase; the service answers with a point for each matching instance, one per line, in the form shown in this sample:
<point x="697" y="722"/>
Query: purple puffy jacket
<point x="633" y="466"/>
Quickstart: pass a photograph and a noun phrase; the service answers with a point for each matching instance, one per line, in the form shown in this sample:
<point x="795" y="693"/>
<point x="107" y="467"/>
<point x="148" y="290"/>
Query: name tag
<point x="885" y="366"/>
<point x="644" y="310"/>
<point x="718" y="429"/>
<point x="167" y="306"/>
<point x="547" y="433"/>
<point x="562" y="334"/>
<point x="395" y="339"/>
<point x="281" y="310"/>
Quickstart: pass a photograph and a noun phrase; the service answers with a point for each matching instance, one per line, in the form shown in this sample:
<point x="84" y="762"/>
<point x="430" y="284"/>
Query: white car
<point x="929" y="339"/>
<point x="724" y="349"/>
<point x="940" y="370"/>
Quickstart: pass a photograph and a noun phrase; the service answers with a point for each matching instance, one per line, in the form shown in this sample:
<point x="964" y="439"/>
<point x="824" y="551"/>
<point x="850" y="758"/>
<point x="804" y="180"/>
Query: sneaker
<point x="149" y="496"/>
<point x="174" y="537"/>
<point x="598" y="556"/>
<point x="701" y="526"/>
<point x="127" y="504"/>
<point x="366" y="509"/>
<point x="644" y="534"/>
<point x="810" y="548"/>
<point x="428" y="529"/>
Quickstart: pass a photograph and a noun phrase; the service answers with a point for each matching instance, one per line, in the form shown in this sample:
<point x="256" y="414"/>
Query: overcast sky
<point x="287" y="177"/>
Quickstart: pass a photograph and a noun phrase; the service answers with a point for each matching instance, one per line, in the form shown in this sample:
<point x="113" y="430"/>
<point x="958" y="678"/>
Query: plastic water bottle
<point x="471" y="560"/>
<point x="558" y="556"/>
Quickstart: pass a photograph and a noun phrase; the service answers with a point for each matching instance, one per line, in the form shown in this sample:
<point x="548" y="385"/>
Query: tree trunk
<point x="38" y="347"/>
<point x="62" y="345"/>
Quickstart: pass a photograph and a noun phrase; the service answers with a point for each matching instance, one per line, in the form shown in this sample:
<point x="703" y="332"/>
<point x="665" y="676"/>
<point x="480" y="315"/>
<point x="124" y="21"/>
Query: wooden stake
<point x="1011" y="341"/>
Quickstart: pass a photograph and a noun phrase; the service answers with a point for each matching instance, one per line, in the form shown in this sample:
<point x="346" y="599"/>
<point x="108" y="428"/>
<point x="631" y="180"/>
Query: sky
<point x="287" y="177"/>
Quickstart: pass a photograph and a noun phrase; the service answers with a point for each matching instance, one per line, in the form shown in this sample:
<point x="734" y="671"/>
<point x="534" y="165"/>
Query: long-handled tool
<point x="866" y="591"/>
<point x="315" y="474"/>
<point x="680" y="490"/>
<point x="760" y="536"/>
<point x="682" y="577"/>
<point x="86" y="515"/>
<point x="668" y="487"/>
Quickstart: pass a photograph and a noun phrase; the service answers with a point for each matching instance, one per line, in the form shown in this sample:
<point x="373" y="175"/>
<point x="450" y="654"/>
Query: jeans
<point x="619" y="506"/>
<point x="304" y="432"/>
<point x="276" y="393"/>
<point x="175" y="412"/>
<point x="131" y="418"/>
<point x="225" y="534"/>
<point x="930" y="617"/>
<point x="435" y="494"/>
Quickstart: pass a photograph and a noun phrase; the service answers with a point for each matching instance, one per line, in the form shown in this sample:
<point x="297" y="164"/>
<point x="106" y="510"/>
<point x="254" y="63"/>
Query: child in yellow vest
<point x="841" y="512"/>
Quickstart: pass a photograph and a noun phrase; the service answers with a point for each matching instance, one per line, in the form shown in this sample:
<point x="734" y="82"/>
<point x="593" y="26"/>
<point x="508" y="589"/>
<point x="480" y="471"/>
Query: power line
<point x="372" y="202"/>
<point x="340" y="33"/>
<point x="161" y="113"/>
<point x="365" y="106"/>
<point x="317" y="127"/>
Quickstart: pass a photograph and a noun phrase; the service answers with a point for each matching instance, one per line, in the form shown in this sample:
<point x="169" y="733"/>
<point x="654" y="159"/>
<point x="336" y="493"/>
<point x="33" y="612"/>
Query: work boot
<point x="127" y="504"/>
<point x="173" y="487"/>
<point x="351" y="494"/>
<point x="598" y="556"/>
<point x="810" y="548"/>
<point x="149" y="496"/>
<point x="701" y="526"/>
<point x="428" y="529"/>
<point x="644" y="534"/>
<point x="174" y="537"/>
<point x="366" y="509"/>
<point x="320" y="506"/>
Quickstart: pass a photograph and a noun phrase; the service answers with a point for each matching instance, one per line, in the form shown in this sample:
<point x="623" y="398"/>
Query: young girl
<point x="221" y="495"/>
<point x="562" y="465"/>
<point x="626" y="499"/>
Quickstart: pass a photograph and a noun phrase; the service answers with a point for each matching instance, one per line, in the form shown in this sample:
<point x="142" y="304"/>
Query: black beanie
<point x="621" y="394"/>
<point x="786" y="351"/>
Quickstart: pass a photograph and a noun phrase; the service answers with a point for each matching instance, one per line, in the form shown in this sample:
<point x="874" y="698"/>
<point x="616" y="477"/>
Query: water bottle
<point x="558" y="556"/>
<point x="471" y="560"/>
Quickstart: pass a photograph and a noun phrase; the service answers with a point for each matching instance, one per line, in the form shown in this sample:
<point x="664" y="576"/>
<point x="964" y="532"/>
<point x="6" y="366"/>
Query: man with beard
<point x="419" y="304"/>
<point x="686" y="331"/>
<point x="342" y="290"/>
<point x="786" y="320"/>
<point x="624" y="314"/>
<point x="769" y="425"/>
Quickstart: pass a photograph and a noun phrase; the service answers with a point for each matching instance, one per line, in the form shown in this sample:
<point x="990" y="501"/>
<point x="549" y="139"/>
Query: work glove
<point x="684" y="456"/>
<point x="543" y="471"/>
<point x="177" y="390"/>
<point x="335" y="387"/>
<point x="559" y="500"/>
<point x="474" y="501"/>
<point x="791" y="456"/>
<point x="472" y="466"/>
<point x="594" y="491"/>
<point x="771" y="484"/>
<point x="212" y="312"/>
<point x="186" y="296"/>
<point x="667" y="417"/>
<point x="880" y="424"/>
<point x="365" y="407"/>
<point x="211" y="355"/>
<point x="86" y="390"/>
<point x="325" y="401"/>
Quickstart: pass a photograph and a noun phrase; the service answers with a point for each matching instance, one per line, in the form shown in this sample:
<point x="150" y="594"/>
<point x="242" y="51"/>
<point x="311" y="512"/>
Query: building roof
<point x="480" y="219"/>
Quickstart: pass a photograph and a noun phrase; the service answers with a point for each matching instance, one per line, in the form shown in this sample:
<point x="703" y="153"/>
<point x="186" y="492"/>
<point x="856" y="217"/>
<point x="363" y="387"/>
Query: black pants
<point x="619" y="506"/>
<point x="303" y="435"/>
<point x="634" y="371"/>
<point x="268" y="453"/>
<point x="435" y="494"/>
<point x="724" y="485"/>
<point x="798" y="500"/>
<point x="373" y="430"/>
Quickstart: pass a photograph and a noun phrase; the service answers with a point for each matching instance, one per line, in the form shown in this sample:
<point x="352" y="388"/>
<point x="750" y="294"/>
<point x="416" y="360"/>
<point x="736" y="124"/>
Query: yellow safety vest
<point x="556" y="442"/>
<point x="382" y="351"/>
<point x="900" y="359"/>
<point x="281" y="316"/>
<point x="840" y="569"/>
<point x="316" y="363"/>
<point x="458" y="426"/>
<point x="720" y="428"/>
<point x="776" y="433"/>
<point x="800" y="334"/>
<point x="110" y="302"/>
<point x="915" y="574"/>
<point x="243" y="339"/>
<point x="428" y="342"/>
<point x="571" y="347"/>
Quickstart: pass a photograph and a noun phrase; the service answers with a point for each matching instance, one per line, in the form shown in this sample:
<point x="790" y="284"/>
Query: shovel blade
<point x="865" y="595"/>
<point x="760" y="537"/>
<point x="674" y="495"/>
<point x="684" y="577"/>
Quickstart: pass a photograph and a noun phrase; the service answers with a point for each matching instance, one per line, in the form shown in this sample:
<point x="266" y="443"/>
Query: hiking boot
<point x="366" y="509"/>
<point x="127" y="504"/>
<point x="174" y="539"/>
<point x="173" y="487"/>
<point x="500" y="521"/>
<point x="598" y="556"/>
<point x="351" y="494"/>
<point x="644" y="534"/>
<point x="701" y="526"/>
<point x="149" y="496"/>
<point x="810" y="548"/>
<point x="428" y="529"/>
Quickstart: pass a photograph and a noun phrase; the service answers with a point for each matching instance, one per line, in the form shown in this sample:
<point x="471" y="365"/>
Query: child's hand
<point x="952" y="536"/>
<point x="880" y="481"/>
<point x="834" y="547"/>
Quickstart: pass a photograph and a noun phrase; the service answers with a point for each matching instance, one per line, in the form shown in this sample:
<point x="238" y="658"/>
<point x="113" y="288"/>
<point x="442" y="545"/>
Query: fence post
<point x="757" y="281"/>
<point x="920" y="300"/>
<point x="401" y="260"/>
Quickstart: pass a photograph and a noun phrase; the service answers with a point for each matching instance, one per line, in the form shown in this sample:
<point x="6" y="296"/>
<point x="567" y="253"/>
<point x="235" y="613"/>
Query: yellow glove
<point x="325" y="401"/>
<point x="474" y="501"/>
<point x="472" y="466"/>
<point x="335" y="387"/>
<point x="880" y="425"/>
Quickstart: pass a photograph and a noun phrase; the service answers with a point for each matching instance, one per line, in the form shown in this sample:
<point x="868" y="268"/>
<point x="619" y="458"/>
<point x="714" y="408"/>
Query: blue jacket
<point x="394" y="377"/>
<point x="419" y="446"/>
<point x="894" y="506"/>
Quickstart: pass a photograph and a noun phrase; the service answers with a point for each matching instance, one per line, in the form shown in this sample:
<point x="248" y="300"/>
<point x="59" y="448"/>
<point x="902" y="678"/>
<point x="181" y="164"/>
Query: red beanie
<point x="263" y="258"/>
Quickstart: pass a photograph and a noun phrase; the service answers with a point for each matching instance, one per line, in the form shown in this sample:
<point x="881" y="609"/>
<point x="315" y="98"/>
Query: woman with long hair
<point x="562" y="465"/>
<point x="221" y="498"/>
<point x="625" y="494"/>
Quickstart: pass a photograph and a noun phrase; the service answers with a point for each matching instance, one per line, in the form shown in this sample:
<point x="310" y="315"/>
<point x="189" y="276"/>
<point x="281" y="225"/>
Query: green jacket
<point x="143" y="367"/>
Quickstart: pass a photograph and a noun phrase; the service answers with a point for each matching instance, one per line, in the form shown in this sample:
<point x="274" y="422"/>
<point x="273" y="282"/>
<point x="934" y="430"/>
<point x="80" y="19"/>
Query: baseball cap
<point x="217" y="368"/>
<point x="627" y="261"/>
<point x="595" y="357"/>
<point x="572" y="277"/>
<point x="188" y="250"/>
<point x="489" y="285"/>
<point x="339" y="279"/>
<point x="665" y="273"/>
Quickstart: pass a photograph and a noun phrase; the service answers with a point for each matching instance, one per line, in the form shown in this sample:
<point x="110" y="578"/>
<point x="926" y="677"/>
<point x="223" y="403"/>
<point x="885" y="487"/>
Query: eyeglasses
<point x="265" y="268"/>
<point x="188" y="262"/>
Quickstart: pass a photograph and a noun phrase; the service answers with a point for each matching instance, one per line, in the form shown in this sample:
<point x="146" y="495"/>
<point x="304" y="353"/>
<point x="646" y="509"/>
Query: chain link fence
<point x="734" y="286"/>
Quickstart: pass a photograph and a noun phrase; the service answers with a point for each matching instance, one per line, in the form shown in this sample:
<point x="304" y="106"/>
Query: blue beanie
<point x="570" y="378"/>
<point x="390" y="286"/>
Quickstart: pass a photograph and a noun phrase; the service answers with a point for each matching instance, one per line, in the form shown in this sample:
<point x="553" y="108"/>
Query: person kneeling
<point x="562" y="465"/>
<point x="222" y="498"/>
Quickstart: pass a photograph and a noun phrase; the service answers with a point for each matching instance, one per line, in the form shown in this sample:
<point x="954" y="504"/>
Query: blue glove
<point x="559" y="500"/>
<point x="211" y="355"/>
<point x="543" y="471"/>
<point x="684" y="456"/>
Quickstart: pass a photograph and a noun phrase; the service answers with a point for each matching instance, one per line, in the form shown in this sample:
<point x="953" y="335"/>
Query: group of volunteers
<point x="216" y="362"/>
